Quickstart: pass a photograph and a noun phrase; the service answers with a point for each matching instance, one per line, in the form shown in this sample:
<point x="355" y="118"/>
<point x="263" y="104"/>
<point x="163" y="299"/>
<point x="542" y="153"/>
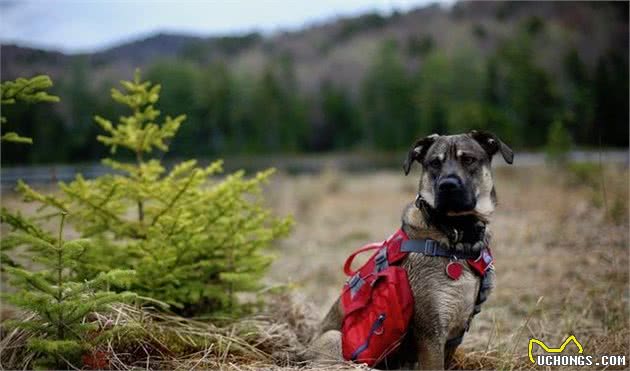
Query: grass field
<point x="560" y="243"/>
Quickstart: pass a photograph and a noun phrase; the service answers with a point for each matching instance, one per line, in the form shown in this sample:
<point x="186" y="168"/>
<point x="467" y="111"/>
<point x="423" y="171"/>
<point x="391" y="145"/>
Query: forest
<point x="517" y="83"/>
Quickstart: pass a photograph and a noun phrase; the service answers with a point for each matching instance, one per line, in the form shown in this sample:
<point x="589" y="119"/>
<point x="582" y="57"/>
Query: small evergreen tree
<point x="57" y="298"/>
<point x="31" y="90"/>
<point x="558" y="143"/>
<point x="194" y="242"/>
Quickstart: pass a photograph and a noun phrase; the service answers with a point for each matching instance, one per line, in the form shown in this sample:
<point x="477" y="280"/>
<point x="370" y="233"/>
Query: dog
<point x="456" y="196"/>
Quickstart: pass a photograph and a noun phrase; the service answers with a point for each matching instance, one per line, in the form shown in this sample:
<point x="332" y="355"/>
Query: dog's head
<point x="456" y="171"/>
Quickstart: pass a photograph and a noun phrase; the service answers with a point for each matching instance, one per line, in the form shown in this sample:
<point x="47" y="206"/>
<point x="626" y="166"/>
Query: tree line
<point x="507" y="92"/>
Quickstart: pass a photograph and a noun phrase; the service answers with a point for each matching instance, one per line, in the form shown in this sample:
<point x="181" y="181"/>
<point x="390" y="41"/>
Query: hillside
<point x="340" y="49"/>
<point x="360" y="83"/>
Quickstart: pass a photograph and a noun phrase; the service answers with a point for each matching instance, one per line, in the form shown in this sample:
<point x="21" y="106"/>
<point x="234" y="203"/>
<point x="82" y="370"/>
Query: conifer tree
<point x="558" y="143"/>
<point x="195" y="242"/>
<point x="57" y="298"/>
<point x="31" y="90"/>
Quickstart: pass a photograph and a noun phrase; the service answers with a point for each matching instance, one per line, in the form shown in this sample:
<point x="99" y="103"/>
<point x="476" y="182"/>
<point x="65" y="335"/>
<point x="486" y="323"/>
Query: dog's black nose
<point x="449" y="184"/>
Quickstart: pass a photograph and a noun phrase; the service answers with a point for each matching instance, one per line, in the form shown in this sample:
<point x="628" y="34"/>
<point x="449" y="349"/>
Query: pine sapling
<point x="56" y="298"/>
<point x="195" y="241"/>
<point x="31" y="90"/>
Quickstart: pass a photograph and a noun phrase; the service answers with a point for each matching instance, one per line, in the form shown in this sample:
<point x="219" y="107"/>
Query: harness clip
<point x="380" y="260"/>
<point x="355" y="283"/>
<point x="430" y="247"/>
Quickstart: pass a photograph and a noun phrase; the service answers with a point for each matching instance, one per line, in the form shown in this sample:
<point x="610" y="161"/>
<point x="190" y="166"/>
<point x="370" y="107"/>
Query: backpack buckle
<point x="380" y="260"/>
<point x="355" y="283"/>
<point x="487" y="259"/>
<point x="354" y="280"/>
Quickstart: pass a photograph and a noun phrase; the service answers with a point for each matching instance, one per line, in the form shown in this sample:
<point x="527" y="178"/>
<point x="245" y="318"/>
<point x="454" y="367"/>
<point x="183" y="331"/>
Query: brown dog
<point x="456" y="196"/>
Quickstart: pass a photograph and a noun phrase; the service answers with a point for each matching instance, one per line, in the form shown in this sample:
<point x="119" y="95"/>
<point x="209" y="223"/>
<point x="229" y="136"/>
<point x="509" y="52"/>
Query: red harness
<point x="377" y="300"/>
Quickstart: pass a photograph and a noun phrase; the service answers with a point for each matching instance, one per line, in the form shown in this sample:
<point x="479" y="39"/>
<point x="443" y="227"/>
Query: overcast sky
<point x="88" y="25"/>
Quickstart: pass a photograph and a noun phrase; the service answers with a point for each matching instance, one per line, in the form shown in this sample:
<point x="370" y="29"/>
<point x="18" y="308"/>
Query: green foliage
<point x="612" y="98"/>
<point x="226" y="114"/>
<point x="81" y="101"/>
<point x="388" y="100"/>
<point x="31" y="90"/>
<point x="275" y="116"/>
<point x="341" y="123"/>
<point x="195" y="242"/>
<point x="584" y="174"/>
<point x="216" y="94"/>
<point x="178" y="93"/>
<point x="578" y="98"/>
<point x="524" y="92"/>
<point x="138" y="132"/>
<point x="417" y="46"/>
<point x="514" y="78"/>
<point x="56" y="296"/>
<point x="448" y="93"/>
<point x="534" y="25"/>
<point x="558" y="143"/>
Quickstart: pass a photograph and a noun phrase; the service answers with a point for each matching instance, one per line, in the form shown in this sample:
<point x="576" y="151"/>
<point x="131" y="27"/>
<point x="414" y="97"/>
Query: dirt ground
<point x="560" y="243"/>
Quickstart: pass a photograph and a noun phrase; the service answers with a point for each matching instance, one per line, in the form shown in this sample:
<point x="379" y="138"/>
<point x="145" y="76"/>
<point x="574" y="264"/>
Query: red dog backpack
<point x="377" y="300"/>
<point x="377" y="303"/>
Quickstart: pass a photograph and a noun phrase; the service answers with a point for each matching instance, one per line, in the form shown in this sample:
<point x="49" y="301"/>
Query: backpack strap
<point x="380" y="263"/>
<point x="483" y="293"/>
<point x="348" y="264"/>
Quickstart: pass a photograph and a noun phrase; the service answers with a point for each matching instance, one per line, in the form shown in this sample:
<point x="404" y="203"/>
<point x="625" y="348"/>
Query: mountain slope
<point x="340" y="50"/>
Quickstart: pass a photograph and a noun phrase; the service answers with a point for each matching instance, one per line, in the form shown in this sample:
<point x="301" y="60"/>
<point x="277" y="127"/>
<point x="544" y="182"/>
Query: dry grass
<point x="561" y="247"/>
<point x="561" y="254"/>
<point x="128" y="338"/>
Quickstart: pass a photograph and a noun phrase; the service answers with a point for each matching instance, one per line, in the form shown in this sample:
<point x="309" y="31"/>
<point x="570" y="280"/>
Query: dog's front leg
<point x="431" y="353"/>
<point x="333" y="318"/>
<point x="326" y="343"/>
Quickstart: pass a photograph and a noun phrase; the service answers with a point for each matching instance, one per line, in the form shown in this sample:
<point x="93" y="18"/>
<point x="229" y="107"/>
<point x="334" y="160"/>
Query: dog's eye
<point x="468" y="160"/>
<point x="435" y="163"/>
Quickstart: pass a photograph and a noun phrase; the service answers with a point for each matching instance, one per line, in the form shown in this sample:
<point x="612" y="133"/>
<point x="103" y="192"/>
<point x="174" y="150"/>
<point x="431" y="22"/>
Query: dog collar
<point x="454" y="235"/>
<point x="435" y="248"/>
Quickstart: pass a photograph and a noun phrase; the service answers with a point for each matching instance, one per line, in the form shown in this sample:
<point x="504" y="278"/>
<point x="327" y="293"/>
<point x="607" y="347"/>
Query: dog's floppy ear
<point x="492" y="144"/>
<point x="418" y="150"/>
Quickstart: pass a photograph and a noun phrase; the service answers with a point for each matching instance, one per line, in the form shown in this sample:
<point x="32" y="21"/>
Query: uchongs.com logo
<point x="558" y="356"/>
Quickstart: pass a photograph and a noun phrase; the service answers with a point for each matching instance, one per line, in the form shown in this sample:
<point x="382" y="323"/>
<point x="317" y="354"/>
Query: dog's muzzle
<point x="450" y="184"/>
<point x="453" y="195"/>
